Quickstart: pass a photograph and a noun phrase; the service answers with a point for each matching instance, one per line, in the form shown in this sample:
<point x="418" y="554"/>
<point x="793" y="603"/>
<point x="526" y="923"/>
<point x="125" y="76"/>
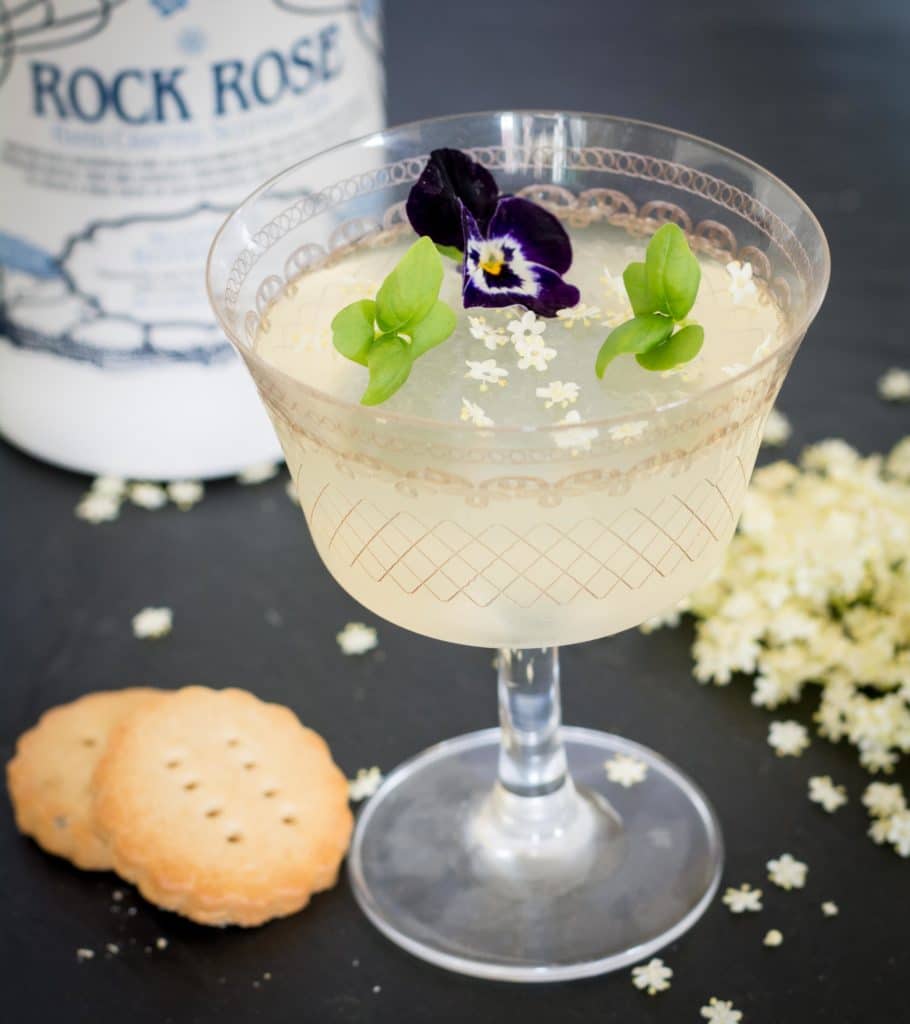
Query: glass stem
<point x="532" y="761"/>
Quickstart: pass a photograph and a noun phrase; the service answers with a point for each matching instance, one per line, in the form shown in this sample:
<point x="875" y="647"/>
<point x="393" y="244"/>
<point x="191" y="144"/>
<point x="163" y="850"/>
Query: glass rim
<point x="793" y="336"/>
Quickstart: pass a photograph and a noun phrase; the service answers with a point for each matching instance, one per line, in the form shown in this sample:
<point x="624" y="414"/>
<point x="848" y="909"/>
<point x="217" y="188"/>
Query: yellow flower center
<point x="492" y="259"/>
<point x="492" y="265"/>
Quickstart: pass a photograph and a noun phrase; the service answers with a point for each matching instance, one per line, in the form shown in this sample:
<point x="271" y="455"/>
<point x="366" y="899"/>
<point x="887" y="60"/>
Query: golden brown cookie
<point x="49" y="778"/>
<point x="221" y="807"/>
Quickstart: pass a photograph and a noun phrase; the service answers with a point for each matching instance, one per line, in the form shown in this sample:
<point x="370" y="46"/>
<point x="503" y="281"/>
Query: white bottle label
<point x="129" y="129"/>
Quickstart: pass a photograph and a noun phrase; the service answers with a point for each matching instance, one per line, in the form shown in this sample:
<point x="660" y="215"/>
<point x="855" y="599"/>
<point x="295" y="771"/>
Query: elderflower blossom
<point x="147" y="496"/>
<point x="558" y="392"/>
<point x="721" y="1011"/>
<point x="742" y="900"/>
<point x="153" y="623"/>
<point x="364" y="784"/>
<point x="628" y="431"/>
<point x="532" y="352"/>
<point x="492" y="337"/>
<point x="487" y="372"/>
<point x="357" y="638"/>
<point x="98" y="508"/>
<point x="577" y="440"/>
<point x="474" y="414"/>
<point x="625" y="770"/>
<point x="526" y="328"/>
<point x="894" y="386"/>
<point x="824" y="792"/>
<point x="777" y="430"/>
<point x="582" y="313"/>
<point x="742" y="287"/>
<point x="787" y="872"/>
<point x="652" y="977"/>
<point x="789" y="739"/>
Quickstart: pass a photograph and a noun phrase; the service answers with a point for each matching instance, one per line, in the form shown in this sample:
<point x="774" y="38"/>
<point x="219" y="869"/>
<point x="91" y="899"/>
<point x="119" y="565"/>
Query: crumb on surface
<point x="161" y="943"/>
<point x="83" y="954"/>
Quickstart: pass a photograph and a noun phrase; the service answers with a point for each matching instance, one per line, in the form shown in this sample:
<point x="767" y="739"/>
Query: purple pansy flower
<point x="515" y="252"/>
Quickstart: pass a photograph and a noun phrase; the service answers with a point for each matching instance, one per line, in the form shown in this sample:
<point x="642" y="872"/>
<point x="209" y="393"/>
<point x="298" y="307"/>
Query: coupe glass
<point x="508" y="853"/>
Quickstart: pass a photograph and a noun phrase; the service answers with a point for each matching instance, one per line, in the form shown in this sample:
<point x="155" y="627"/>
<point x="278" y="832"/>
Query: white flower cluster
<point x="815" y="588"/>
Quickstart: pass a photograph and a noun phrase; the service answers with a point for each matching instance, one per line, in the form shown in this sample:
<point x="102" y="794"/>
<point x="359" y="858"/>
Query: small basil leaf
<point x="408" y="293"/>
<point x="672" y="271"/>
<point x="450" y="252"/>
<point x="635" y="279"/>
<point x="435" y="327"/>
<point x="389" y="361"/>
<point x="353" y="331"/>
<point x="637" y="335"/>
<point x="678" y="349"/>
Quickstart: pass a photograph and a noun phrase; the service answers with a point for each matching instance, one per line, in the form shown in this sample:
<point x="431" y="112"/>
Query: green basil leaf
<point x="635" y="279"/>
<point x="390" y="362"/>
<point x="408" y="293"/>
<point x="450" y="252"/>
<point x="637" y="335"/>
<point x="353" y="330"/>
<point x="679" y="348"/>
<point x="672" y="271"/>
<point x="435" y="327"/>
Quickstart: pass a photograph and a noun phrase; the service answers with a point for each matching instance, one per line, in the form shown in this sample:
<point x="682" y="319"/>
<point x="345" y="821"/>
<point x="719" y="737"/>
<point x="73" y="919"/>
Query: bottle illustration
<point x="128" y="130"/>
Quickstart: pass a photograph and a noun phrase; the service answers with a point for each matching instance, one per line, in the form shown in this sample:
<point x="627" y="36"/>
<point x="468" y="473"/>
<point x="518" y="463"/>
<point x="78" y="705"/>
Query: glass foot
<point x="585" y="880"/>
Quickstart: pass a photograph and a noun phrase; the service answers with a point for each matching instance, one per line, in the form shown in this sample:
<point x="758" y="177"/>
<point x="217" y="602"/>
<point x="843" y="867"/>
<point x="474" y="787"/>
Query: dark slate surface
<point x="816" y="92"/>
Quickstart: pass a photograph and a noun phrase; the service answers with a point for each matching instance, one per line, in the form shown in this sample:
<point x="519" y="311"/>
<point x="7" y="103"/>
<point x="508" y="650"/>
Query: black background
<point x="815" y="91"/>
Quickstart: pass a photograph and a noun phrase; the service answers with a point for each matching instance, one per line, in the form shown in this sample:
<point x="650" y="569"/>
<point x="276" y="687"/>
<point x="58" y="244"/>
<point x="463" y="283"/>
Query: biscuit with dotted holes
<point x="222" y="808"/>
<point x="49" y="778"/>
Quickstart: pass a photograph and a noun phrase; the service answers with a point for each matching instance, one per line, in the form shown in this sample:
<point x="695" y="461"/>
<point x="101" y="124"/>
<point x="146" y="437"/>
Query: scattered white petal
<point x="557" y="392"/>
<point x="615" y="287"/>
<point x="98" y="508"/>
<point x="789" y="739"/>
<point x="773" y="938"/>
<point x="894" y="386"/>
<point x="153" y="622"/>
<point x="744" y="899"/>
<point x="625" y="770"/>
<point x="112" y="486"/>
<point x="487" y="372"/>
<point x="719" y="1011"/>
<point x="258" y="473"/>
<point x="787" y="872"/>
<point x="112" y="948"/>
<point x="823" y="791"/>
<point x="161" y="943"/>
<point x="185" y="493"/>
<point x="627" y="431"/>
<point x="830" y="908"/>
<point x="474" y="414"/>
<point x="777" y="430"/>
<point x="652" y="977"/>
<point x="365" y="784"/>
<point x="356" y="638"/>
<point x="83" y="954"/>
<point x="148" y="496"/>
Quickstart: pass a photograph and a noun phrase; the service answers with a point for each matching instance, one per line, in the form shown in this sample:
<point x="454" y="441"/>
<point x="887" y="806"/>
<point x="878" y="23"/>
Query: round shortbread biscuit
<point x="49" y="778"/>
<point x="222" y="808"/>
